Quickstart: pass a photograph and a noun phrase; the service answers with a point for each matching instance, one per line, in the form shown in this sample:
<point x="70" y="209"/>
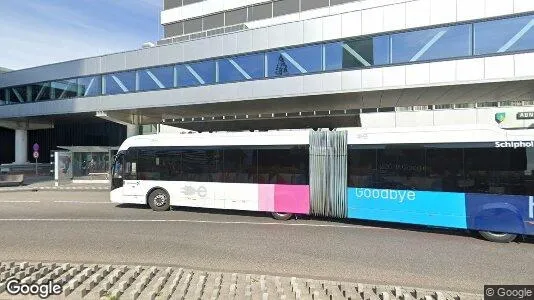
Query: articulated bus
<point x="477" y="178"/>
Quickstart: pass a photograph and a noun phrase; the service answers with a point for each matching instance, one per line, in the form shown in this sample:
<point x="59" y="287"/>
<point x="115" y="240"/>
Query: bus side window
<point x="130" y="171"/>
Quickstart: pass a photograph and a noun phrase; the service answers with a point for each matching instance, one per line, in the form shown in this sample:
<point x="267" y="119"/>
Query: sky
<point x="39" y="32"/>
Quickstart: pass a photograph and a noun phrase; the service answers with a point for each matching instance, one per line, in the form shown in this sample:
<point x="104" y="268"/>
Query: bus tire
<point x="281" y="216"/>
<point x="159" y="200"/>
<point x="498" y="237"/>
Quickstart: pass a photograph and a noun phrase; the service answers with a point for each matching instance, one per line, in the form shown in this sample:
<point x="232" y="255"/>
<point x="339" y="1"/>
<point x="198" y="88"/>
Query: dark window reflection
<point x="471" y="170"/>
<point x="278" y="164"/>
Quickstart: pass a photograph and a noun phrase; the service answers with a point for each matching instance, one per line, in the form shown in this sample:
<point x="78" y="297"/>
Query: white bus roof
<point x="361" y="136"/>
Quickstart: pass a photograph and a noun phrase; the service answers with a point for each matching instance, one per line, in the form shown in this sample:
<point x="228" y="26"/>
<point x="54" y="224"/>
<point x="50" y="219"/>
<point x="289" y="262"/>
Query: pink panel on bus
<point x="266" y="197"/>
<point x="292" y="198"/>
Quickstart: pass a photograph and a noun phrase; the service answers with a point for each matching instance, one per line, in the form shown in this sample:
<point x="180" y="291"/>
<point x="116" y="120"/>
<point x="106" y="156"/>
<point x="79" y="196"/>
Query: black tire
<point x="159" y="200"/>
<point x="282" y="216"/>
<point x="498" y="237"/>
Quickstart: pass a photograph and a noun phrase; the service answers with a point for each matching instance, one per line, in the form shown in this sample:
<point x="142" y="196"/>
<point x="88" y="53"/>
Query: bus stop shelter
<point x="83" y="164"/>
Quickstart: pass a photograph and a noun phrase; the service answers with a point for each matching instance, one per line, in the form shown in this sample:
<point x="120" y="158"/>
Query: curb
<point x="54" y="188"/>
<point x="94" y="281"/>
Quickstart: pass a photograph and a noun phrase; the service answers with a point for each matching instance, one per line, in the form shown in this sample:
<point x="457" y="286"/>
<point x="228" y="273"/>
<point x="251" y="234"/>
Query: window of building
<point x="464" y="105"/>
<point x="119" y="83"/>
<point x="488" y="104"/>
<point x="196" y="73"/>
<point x="90" y="86"/>
<point x="236" y="16"/>
<point x="193" y="25"/>
<point x="261" y="11"/>
<point x="17" y="94"/>
<point x="3" y="97"/>
<point x="156" y="78"/>
<point x="437" y="43"/>
<point x="313" y="4"/>
<point x="65" y="89"/>
<point x="168" y="4"/>
<point x="213" y="21"/>
<point x="241" y="68"/>
<point x="173" y="29"/>
<point x="499" y="36"/>
<point x="444" y="106"/>
<point x="295" y="61"/>
<point x="285" y="7"/>
<point x="186" y="2"/>
<point x="336" y="2"/>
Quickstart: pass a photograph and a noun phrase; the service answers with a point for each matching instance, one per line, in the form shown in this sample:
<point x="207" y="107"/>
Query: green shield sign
<point x="499" y="117"/>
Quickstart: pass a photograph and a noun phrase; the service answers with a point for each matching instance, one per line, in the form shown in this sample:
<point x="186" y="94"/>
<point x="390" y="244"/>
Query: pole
<point x="36" y="166"/>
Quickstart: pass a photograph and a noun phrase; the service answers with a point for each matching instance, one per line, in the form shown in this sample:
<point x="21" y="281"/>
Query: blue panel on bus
<point x="500" y="213"/>
<point x="412" y="207"/>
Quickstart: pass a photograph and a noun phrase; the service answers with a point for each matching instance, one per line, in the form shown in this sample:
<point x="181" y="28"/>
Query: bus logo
<point x="500" y="117"/>
<point x="201" y="191"/>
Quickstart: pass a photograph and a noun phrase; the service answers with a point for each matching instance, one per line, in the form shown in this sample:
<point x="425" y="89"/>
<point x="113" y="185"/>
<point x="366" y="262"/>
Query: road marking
<point x="189" y="221"/>
<point x="84" y="202"/>
<point x="19" y="201"/>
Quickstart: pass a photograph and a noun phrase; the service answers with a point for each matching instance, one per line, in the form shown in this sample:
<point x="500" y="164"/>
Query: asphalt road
<point x="85" y="227"/>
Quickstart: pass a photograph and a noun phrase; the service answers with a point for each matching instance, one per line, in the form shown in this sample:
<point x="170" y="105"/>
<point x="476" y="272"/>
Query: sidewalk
<point x="47" y="183"/>
<point x="92" y="281"/>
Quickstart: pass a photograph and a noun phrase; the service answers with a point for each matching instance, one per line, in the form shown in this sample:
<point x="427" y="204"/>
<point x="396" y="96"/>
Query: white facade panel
<point x="351" y="80"/>
<point x="523" y="6"/>
<point x="456" y="117"/>
<point x="418" y="74"/>
<point x="312" y="31"/>
<point x="170" y="54"/>
<point x="470" y="9"/>
<point x="113" y="62"/>
<point x="395" y="17"/>
<point x="378" y="120"/>
<point x="351" y="24"/>
<point x="260" y="38"/>
<point x="414" y="119"/>
<point x="470" y="69"/>
<point x="372" y="78"/>
<point x="373" y="20"/>
<point x="315" y="13"/>
<point x="499" y="67"/>
<point x="286" y="35"/>
<point x="524" y="64"/>
<point x="444" y="71"/>
<point x="499" y="7"/>
<point x="394" y="76"/>
<point x="332" y="27"/>
<point x="245" y="41"/>
<point x="229" y="44"/>
<point x="418" y="13"/>
<point x="442" y="11"/>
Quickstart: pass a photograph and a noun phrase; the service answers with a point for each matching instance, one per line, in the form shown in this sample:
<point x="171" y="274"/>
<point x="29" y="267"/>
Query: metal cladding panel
<point x="170" y="54"/>
<point x="244" y="42"/>
<point x="113" y="62"/>
<point x="312" y="31"/>
<point x="142" y="58"/>
<point x="44" y="73"/>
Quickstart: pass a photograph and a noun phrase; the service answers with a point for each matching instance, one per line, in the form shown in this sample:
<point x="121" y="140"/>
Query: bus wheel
<point x="498" y="237"/>
<point x="282" y="216"/>
<point x="159" y="200"/>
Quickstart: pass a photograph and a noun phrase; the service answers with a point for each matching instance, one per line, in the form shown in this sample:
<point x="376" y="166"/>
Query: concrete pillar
<point x="21" y="146"/>
<point x="132" y="130"/>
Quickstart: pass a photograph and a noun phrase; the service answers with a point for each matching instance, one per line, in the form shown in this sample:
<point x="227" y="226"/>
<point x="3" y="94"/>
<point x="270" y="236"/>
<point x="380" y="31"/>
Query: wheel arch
<point x="156" y="188"/>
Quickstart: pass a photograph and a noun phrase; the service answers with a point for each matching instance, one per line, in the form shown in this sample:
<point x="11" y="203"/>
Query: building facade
<point x="256" y="64"/>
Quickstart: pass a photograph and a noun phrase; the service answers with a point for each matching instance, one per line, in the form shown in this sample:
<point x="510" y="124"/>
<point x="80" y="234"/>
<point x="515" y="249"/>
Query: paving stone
<point x="90" y="281"/>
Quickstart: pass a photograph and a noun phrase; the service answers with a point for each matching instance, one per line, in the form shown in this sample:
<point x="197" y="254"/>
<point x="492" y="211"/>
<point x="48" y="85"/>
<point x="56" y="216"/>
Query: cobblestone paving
<point x="91" y="281"/>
